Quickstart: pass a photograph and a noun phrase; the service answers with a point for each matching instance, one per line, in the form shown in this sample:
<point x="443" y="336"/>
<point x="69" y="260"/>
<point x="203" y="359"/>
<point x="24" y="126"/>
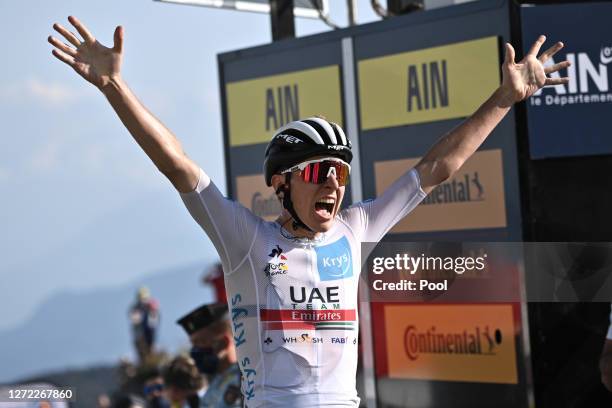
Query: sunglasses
<point x="150" y="389"/>
<point x="317" y="171"/>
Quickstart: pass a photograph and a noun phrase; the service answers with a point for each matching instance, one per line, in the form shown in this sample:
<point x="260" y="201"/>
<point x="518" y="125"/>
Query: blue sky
<point x="81" y="206"/>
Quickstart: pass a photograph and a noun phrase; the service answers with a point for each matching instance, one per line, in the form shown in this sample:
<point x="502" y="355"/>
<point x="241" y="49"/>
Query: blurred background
<point x="87" y="222"/>
<point x="86" y="218"/>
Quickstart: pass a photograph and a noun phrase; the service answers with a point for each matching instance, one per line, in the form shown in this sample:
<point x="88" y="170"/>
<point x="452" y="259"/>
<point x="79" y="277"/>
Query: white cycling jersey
<point x="293" y="301"/>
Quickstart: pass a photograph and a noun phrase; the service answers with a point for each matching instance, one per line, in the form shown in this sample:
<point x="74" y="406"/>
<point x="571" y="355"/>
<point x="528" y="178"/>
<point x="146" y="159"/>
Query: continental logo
<point x="472" y="343"/>
<point x="437" y="83"/>
<point x="479" y="340"/>
<point x="474" y="198"/>
<point x="464" y="188"/>
<point x="254" y="194"/>
<point x="257" y="107"/>
<point x="265" y="206"/>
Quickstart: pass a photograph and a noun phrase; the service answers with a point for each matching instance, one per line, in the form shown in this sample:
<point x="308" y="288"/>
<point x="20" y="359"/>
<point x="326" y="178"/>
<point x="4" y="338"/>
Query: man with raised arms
<point x="308" y="260"/>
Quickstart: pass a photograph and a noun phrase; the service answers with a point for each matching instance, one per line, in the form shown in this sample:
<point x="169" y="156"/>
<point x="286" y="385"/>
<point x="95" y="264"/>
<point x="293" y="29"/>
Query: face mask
<point x="158" y="402"/>
<point x="206" y="360"/>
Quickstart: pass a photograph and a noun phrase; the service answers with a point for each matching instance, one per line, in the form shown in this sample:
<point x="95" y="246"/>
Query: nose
<point x="332" y="182"/>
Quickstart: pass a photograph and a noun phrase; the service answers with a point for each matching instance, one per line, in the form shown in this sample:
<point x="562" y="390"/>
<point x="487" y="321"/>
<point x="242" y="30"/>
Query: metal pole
<point x="352" y="12"/>
<point x="352" y="130"/>
<point x="281" y="17"/>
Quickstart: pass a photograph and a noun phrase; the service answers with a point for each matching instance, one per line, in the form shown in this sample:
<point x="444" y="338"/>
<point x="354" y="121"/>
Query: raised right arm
<point x="157" y="141"/>
<point x="101" y="66"/>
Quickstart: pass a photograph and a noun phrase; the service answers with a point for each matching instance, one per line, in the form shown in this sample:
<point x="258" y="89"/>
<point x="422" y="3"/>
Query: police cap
<point x="203" y="316"/>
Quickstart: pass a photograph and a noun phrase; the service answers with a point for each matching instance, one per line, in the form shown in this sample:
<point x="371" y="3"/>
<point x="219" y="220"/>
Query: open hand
<point x="90" y="59"/>
<point x="526" y="77"/>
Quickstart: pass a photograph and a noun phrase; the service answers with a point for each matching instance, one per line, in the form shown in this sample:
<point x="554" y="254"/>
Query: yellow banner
<point x="254" y="194"/>
<point x="437" y="83"/>
<point x="257" y="107"/>
<point x="472" y="343"/>
<point x="473" y="198"/>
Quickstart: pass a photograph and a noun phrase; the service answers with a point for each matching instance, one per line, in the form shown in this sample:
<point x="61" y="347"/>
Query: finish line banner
<point x="572" y="119"/>
<point x="487" y="272"/>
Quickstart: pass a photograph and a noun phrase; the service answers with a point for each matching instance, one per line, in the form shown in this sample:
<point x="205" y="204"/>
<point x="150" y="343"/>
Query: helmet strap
<point x="288" y="204"/>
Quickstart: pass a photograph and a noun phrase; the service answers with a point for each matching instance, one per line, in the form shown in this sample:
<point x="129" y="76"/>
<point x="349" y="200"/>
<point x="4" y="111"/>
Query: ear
<point x="225" y="342"/>
<point x="278" y="180"/>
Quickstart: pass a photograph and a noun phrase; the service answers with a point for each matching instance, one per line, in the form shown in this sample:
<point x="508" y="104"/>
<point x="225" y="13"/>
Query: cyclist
<point x="292" y="283"/>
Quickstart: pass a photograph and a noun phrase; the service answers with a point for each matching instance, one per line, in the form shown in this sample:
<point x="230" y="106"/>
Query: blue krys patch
<point x="334" y="261"/>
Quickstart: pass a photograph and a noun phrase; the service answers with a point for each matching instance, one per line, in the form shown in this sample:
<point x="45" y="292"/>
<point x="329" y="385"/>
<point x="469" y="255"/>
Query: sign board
<point x="427" y="85"/>
<point x="253" y="193"/>
<point x="257" y="107"/>
<point x="471" y="343"/>
<point x="473" y="198"/>
<point x="573" y="119"/>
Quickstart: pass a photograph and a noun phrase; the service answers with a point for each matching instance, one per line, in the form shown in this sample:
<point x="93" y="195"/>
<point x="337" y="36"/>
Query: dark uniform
<point x="224" y="387"/>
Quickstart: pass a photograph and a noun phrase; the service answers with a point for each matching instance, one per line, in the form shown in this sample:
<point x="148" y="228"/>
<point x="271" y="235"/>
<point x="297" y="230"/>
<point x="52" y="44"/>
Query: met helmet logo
<point x="289" y="138"/>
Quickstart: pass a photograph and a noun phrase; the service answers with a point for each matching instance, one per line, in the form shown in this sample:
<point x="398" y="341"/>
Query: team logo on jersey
<point x="277" y="265"/>
<point x="334" y="261"/>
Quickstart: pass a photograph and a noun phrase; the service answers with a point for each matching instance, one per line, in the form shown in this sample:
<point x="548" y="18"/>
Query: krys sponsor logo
<point x="278" y="264"/>
<point x="334" y="261"/>
<point x="462" y="188"/>
<point x="481" y="340"/>
<point x="589" y="80"/>
<point x="239" y="313"/>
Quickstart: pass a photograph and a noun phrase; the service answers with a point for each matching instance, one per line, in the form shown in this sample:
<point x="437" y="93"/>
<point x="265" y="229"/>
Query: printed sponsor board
<point x="254" y="194"/>
<point x="427" y="85"/>
<point x="472" y="343"/>
<point x="257" y="107"/>
<point x="473" y="198"/>
<point x="572" y="119"/>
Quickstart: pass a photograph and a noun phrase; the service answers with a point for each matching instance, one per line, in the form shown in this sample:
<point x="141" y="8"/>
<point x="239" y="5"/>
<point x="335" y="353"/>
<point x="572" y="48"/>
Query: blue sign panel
<point x="572" y="119"/>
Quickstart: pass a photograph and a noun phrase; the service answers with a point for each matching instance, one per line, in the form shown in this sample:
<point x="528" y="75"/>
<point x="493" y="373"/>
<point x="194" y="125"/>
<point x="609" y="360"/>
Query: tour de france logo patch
<point x="334" y="261"/>
<point x="277" y="265"/>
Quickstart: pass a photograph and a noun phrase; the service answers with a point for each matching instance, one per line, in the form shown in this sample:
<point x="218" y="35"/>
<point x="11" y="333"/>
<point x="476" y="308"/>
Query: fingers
<point x="72" y="38"/>
<point x="118" y="39"/>
<point x="62" y="56"/>
<point x="81" y="29"/>
<point x="550" y="52"/>
<point x="62" y="46"/>
<point x="535" y="48"/>
<point x="557" y="67"/>
<point x="510" y="54"/>
<point x="556" y="81"/>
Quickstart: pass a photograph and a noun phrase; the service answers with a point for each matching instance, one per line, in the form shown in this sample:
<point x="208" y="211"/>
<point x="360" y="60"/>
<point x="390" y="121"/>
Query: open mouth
<point x="325" y="206"/>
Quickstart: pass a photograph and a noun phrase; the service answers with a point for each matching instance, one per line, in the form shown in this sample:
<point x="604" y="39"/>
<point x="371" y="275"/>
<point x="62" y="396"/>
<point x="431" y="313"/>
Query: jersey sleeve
<point x="370" y="220"/>
<point x="230" y="226"/>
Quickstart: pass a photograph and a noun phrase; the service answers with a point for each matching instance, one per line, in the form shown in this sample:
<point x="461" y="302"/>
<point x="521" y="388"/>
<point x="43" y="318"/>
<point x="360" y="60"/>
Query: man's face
<point x="175" y="395"/>
<point x="208" y="339"/>
<point x="315" y="204"/>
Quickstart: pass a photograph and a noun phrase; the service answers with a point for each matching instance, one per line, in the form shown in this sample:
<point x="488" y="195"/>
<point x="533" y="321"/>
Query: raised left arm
<point x="520" y="81"/>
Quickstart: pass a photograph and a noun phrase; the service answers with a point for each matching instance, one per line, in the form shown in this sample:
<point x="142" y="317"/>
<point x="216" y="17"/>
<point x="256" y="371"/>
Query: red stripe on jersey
<point x="336" y="315"/>
<point x="289" y="326"/>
